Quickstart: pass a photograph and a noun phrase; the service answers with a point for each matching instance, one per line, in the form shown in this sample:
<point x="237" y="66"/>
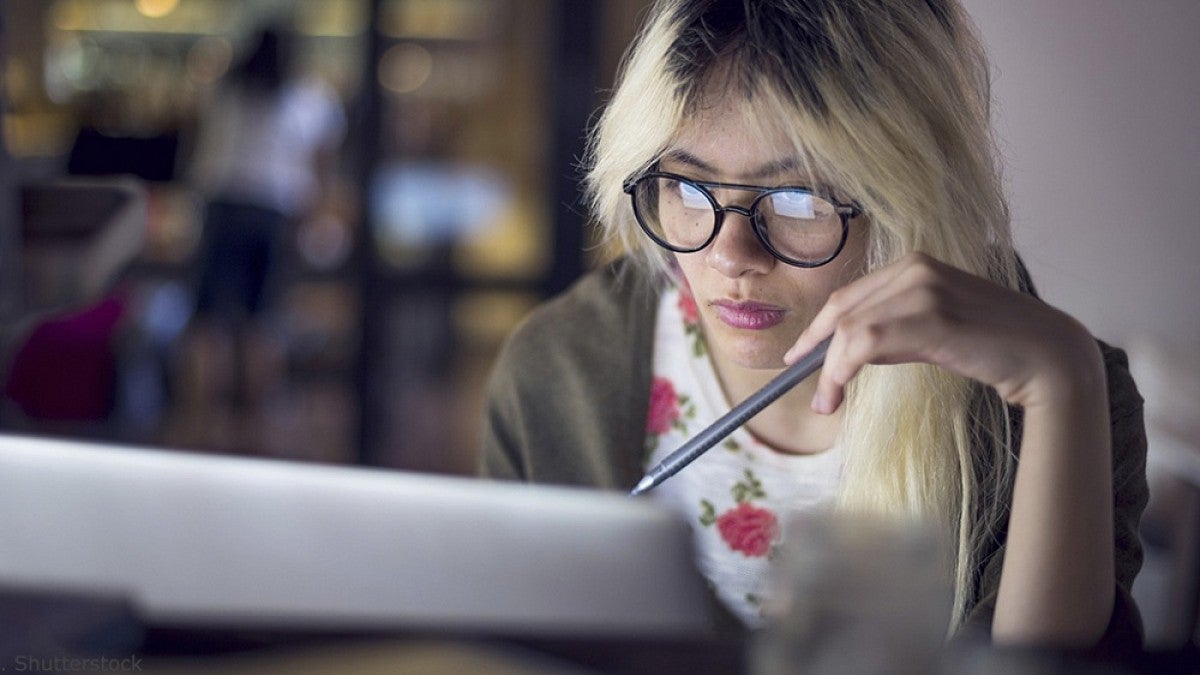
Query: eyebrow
<point x="763" y="171"/>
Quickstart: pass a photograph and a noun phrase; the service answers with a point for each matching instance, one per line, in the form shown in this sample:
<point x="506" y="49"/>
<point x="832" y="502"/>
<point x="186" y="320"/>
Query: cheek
<point x="817" y="284"/>
<point x="851" y="263"/>
<point x="689" y="267"/>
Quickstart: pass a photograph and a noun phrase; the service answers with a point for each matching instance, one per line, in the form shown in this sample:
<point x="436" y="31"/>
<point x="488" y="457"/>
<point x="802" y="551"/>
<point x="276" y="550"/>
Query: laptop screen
<point x="216" y="540"/>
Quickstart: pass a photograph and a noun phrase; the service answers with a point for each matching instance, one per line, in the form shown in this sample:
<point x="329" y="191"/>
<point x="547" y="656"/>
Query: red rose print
<point x="748" y="529"/>
<point x="664" y="406"/>
<point x="691" y="316"/>
<point x="687" y="305"/>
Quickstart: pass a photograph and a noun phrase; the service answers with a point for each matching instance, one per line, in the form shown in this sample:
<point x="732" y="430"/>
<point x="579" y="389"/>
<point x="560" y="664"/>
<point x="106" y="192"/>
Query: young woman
<point x="779" y="172"/>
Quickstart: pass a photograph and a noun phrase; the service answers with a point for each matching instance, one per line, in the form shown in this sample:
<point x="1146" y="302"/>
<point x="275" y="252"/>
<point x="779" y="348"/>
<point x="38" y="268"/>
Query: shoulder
<point x="567" y="395"/>
<point x="1128" y="426"/>
<point x="620" y="289"/>
<point x="1124" y="399"/>
<point x="605" y="311"/>
<point x="1129" y="445"/>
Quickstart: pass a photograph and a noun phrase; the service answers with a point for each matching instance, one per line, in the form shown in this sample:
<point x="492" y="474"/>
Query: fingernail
<point x="794" y="353"/>
<point x="818" y="403"/>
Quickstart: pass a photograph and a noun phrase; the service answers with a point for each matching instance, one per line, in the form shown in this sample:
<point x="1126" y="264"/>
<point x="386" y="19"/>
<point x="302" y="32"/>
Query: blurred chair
<point x="77" y="237"/>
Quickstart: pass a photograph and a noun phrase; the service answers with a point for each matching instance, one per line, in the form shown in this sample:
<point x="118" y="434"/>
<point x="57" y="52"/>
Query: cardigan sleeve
<point x="1124" y="634"/>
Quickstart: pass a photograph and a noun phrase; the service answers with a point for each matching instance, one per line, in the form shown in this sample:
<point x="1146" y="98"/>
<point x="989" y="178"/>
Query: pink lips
<point x="749" y="315"/>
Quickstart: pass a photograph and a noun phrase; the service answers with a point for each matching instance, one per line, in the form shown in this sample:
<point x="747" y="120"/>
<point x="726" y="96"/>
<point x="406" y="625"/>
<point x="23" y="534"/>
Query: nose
<point x="737" y="251"/>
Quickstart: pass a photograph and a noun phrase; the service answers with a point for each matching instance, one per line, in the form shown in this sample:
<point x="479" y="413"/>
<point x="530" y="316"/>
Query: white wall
<point x="1097" y="105"/>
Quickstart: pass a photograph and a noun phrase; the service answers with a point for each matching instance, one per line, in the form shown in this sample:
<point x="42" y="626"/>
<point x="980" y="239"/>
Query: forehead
<point x="726" y="139"/>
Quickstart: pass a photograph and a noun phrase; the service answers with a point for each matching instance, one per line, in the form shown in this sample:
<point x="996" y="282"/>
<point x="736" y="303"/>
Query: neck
<point x="789" y="424"/>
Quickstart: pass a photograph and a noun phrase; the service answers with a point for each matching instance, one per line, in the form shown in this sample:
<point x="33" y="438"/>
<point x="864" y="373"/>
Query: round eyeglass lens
<point x="676" y="212"/>
<point x="800" y="225"/>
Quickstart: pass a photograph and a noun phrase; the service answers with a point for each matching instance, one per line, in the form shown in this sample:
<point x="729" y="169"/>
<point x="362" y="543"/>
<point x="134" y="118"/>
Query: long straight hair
<point x="889" y="100"/>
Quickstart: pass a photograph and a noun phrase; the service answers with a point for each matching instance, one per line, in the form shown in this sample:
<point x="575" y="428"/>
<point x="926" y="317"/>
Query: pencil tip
<point x="643" y="485"/>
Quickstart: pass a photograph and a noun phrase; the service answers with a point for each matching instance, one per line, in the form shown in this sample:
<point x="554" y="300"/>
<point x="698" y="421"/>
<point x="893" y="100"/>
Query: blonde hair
<point x="890" y="99"/>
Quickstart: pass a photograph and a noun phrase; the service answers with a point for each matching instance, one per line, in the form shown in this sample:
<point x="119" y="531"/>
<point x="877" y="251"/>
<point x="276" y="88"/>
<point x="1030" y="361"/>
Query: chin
<point x="750" y="349"/>
<point x="754" y="354"/>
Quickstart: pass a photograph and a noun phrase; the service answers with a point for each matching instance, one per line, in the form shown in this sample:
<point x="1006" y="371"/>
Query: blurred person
<point x="265" y="149"/>
<point x="783" y="171"/>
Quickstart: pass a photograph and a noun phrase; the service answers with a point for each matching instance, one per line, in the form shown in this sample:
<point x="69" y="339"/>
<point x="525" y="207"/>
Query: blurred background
<point x="442" y="203"/>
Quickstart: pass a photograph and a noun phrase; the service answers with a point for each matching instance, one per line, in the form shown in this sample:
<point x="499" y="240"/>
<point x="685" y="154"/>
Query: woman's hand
<point x="1056" y="583"/>
<point x="921" y="310"/>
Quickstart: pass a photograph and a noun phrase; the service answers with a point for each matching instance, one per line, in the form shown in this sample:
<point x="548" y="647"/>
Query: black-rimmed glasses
<point x="797" y="225"/>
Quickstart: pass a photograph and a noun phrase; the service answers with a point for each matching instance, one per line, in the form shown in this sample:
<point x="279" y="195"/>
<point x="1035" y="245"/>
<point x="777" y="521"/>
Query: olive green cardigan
<point x="569" y="393"/>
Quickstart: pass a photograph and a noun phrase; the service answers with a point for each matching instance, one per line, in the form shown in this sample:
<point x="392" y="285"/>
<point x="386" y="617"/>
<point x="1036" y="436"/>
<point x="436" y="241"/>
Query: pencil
<point x="739" y="415"/>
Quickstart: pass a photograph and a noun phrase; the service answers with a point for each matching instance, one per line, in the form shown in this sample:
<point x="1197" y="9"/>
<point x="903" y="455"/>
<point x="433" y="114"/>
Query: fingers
<point x="877" y="340"/>
<point x="922" y="310"/>
<point x="841" y="302"/>
<point x="897" y="315"/>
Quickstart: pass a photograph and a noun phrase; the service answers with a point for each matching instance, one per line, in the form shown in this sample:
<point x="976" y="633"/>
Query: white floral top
<point x="737" y="493"/>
